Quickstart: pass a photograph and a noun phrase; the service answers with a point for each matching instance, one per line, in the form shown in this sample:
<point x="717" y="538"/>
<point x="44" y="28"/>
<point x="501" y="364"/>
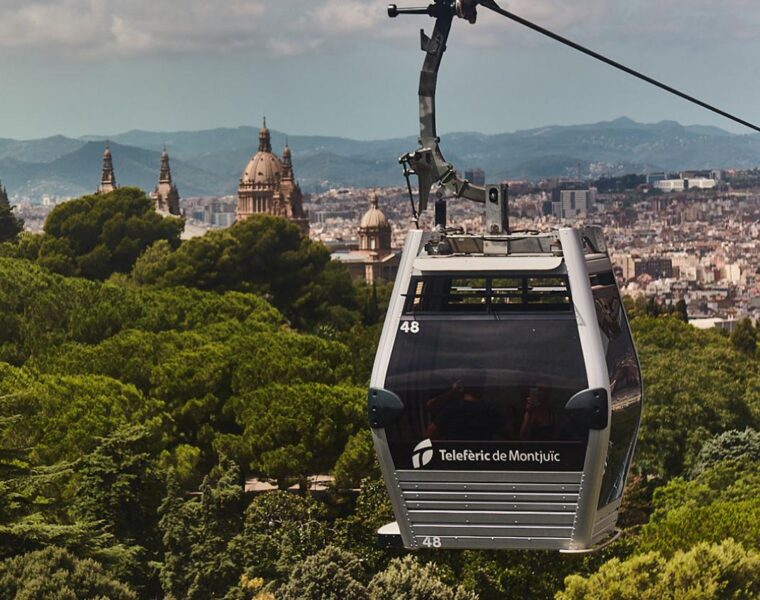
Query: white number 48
<point x="410" y="327"/>
<point x="432" y="542"/>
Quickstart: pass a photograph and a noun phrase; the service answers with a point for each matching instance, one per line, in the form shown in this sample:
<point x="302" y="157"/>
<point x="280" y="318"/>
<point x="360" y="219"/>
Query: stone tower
<point x="165" y="196"/>
<point x="107" y="179"/>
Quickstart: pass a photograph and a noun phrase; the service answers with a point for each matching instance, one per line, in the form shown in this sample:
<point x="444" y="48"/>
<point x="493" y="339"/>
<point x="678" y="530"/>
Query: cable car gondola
<point x="506" y="394"/>
<point x="505" y="397"/>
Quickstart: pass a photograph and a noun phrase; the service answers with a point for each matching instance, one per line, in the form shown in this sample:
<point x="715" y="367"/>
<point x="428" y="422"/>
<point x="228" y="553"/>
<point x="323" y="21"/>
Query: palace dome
<point x="374" y="217"/>
<point x="264" y="168"/>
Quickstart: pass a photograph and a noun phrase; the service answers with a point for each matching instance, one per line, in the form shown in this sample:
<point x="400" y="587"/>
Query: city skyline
<point x="76" y="67"/>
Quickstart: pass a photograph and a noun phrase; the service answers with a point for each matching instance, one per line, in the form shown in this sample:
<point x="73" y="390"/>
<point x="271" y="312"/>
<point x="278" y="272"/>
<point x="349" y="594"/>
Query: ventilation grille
<point x="459" y="509"/>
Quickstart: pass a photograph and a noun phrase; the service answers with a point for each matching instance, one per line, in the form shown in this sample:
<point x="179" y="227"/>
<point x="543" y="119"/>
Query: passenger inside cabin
<point x="538" y="420"/>
<point x="460" y="413"/>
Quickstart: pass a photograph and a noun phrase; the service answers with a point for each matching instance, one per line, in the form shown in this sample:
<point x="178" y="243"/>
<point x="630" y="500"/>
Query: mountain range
<point x="210" y="162"/>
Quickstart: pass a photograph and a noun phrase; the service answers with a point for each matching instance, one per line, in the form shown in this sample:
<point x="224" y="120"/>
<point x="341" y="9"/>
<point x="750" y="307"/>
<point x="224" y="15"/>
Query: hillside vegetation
<point x="134" y="404"/>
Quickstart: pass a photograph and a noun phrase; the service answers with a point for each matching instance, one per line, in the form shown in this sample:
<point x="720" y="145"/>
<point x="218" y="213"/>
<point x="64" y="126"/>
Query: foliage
<point x="330" y="574"/>
<point x="10" y="225"/>
<point x="280" y="529"/>
<point x="198" y="536"/>
<point x="729" y="445"/>
<point x="105" y="386"/>
<point x="56" y="573"/>
<point x="357" y="461"/>
<point x="95" y="236"/>
<point x="266" y="255"/>
<point x="292" y="431"/>
<point x="710" y="391"/>
<point x="718" y="571"/>
<point x="407" y="579"/>
<point x="744" y="337"/>
<point x="721" y="502"/>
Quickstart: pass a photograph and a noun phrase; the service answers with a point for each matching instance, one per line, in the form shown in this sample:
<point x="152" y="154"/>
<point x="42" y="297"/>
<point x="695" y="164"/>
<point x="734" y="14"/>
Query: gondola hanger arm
<point x="428" y="162"/>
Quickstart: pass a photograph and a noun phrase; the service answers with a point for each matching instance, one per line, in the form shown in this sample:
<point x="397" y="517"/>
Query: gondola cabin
<point x="506" y="393"/>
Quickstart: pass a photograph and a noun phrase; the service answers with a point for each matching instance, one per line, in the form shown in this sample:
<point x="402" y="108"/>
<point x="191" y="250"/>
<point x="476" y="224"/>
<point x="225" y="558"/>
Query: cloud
<point x="94" y="28"/>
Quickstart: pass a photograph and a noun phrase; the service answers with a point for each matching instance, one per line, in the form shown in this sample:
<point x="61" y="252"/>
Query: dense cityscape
<point x="691" y="237"/>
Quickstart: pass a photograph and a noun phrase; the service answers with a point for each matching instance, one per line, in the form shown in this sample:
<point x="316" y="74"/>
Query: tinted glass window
<point x="486" y="294"/>
<point x="625" y="384"/>
<point x="486" y="378"/>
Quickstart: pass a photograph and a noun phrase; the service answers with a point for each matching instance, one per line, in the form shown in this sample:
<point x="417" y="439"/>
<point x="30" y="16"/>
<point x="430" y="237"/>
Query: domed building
<point x="269" y="187"/>
<point x="375" y="260"/>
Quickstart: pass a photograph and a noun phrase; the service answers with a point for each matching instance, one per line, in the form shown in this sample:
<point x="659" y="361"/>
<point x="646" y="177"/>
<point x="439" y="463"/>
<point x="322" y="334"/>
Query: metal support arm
<point x="427" y="162"/>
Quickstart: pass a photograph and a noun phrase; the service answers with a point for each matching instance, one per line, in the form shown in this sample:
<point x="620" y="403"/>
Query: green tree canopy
<point x="56" y="573"/>
<point x="696" y="386"/>
<point x="292" y="431"/>
<point x="729" y="445"/>
<point x="262" y="254"/>
<point x="330" y="574"/>
<point x="407" y="579"/>
<point x="95" y="236"/>
<point x="724" y="571"/>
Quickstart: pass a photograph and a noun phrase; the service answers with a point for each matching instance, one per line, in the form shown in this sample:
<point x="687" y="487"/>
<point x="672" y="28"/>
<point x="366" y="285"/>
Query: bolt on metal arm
<point x="427" y="162"/>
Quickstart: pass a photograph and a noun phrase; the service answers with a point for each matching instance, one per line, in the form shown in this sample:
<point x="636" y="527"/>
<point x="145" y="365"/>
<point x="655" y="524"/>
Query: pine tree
<point x="10" y="224"/>
<point x="216" y="568"/>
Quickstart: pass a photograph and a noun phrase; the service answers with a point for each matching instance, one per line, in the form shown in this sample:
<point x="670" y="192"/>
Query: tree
<point x="56" y="573"/>
<point x="10" y="225"/>
<point x="744" y="337"/>
<point x="215" y="567"/>
<point x="177" y="523"/>
<point x="682" y="310"/>
<point x="280" y="530"/>
<point x="710" y="572"/>
<point x="708" y="393"/>
<point x="407" y="579"/>
<point x="330" y="574"/>
<point x="266" y="255"/>
<point x="729" y="445"/>
<point x="721" y="502"/>
<point x="95" y="236"/>
<point x="119" y="486"/>
<point x="357" y="461"/>
<point x="292" y="431"/>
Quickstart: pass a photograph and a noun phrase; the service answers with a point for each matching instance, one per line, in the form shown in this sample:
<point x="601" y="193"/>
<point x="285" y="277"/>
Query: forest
<point x="144" y="379"/>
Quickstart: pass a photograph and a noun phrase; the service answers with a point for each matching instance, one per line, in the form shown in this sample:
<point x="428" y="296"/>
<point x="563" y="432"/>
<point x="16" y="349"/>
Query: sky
<point x="341" y="67"/>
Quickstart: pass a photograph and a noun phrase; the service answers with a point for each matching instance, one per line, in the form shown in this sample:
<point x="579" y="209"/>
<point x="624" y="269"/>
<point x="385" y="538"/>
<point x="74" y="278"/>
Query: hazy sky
<point x="341" y="67"/>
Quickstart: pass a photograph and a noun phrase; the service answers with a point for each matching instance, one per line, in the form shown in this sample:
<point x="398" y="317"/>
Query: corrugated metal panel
<point x="499" y="542"/>
<point x="504" y="509"/>
<point x="496" y="506"/>
<point x="442" y="529"/>
<point x="473" y="516"/>
<point x="463" y="496"/>
<point x="491" y="476"/>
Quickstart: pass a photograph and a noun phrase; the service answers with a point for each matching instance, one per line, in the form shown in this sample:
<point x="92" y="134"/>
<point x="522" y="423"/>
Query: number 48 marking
<point x="432" y="542"/>
<point x="410" y="327"/>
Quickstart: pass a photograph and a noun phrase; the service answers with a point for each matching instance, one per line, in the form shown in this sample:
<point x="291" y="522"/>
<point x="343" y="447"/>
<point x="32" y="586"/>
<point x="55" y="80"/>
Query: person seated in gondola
<point x="460" y="413"/>
<point x="538" y="421"/>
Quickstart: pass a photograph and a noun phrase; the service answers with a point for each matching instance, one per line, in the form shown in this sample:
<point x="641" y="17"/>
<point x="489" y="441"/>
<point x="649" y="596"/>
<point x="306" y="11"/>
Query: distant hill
<point x="209" y="162"/>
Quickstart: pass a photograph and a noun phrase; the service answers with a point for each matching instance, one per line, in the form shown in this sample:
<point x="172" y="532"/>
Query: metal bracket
<point x="427" y="162"/>
<point x="589" y="408"/>
<point x="383" y="407"/>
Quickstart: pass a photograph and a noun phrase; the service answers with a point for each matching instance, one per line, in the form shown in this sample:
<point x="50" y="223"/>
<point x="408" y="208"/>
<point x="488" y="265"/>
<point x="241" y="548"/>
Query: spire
<point x="287" y="163"/>
<point x="107" y="179"/>
<point x="166" y="172"/>
<point x="373" y="199"/>
<point x="265" y="141"/>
